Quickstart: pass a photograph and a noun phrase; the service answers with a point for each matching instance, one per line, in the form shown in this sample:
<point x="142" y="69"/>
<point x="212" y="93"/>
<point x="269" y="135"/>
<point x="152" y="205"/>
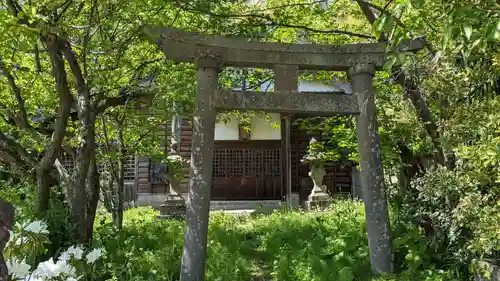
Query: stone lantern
<point x="174" y="205"/>
<point x="318" y="199"/>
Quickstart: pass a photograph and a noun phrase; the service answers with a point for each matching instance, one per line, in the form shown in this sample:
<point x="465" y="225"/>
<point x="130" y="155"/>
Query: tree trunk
<point x="76" y="194"/>
<point x="410" y="168"/>
<point x="92" y="190"/>
<point x="108" y="192"/>
<point x="43" y="181"/>
<point x="81" y="190"/>
<point x="84" y="198"/>
<point x="413" y="93"/>
<point x="121" y="176"/>
<point x="450" y="157"/>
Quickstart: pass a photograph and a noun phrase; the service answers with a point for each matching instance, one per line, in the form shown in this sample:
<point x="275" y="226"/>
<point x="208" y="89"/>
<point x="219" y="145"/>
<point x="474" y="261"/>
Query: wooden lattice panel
<point x="272" y="167"/>
<point x="68" y="163"/>
<point x="246" y="162"/>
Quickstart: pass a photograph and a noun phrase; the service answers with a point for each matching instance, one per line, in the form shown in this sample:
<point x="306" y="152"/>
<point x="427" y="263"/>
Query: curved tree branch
<point x="413" y="93"/>
<point x="65" y="100"/>
<point x="23" y="117"/>
<point x="270" y="21"/>
<point x="24" y="156"/>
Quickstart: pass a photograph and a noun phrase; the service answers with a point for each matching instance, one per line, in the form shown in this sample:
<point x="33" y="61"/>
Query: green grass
<point x="281" y="246"/>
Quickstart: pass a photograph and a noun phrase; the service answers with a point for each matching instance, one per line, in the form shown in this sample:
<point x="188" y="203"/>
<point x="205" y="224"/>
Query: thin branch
<point x="386" y="6"/>
<point x="9" y="142"/>
<point x="65" y="6"/>
<point x="413" y="92"/>
<point x="313" y="30"/>
<point x="13" y="7"/>
<point x="143" y="65"/>
<point x="83" y="100"/>
<point x="106" y="147"/>
<point x="37" y="58"/>
<point x="17" y="93"/>
<point x="122" y="100"/>
<point x="272" y="22"/>
<point x="365" y="7"/>
<point x="382" y="10"/>
<point x="143" y="136"/>
<point x="11" y="158"/>
<point x="177" y="14"/>
<point x="86" y="40"/>
<point x="288" y="6"/>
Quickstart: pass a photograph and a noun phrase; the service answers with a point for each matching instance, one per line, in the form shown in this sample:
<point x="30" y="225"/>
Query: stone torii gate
<point x="211" y="53"/>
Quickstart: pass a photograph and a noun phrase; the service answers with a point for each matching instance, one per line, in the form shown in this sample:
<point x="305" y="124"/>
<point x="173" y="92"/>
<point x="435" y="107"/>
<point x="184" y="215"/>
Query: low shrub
<point x="458" y="214"/>
<point x="280" y="246"/>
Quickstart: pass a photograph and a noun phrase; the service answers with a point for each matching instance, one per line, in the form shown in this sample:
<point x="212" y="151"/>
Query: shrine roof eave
<point x="182" y="46"/>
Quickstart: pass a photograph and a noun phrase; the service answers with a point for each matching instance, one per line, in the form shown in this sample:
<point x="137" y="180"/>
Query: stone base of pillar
<point x="318" y="201"/>
<point x="173" y="207"/>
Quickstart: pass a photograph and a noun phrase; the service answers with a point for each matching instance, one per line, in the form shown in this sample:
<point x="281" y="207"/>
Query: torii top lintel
<point x="183" y="46"/>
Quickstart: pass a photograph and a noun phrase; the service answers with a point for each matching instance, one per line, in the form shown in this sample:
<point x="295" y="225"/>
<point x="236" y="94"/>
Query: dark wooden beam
<point x="315" y="103"/>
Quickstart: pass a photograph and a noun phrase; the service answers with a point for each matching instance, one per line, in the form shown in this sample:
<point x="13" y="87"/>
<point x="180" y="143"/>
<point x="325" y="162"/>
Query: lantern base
<point x="318" y="201"/>
<point x="173" y="207"/>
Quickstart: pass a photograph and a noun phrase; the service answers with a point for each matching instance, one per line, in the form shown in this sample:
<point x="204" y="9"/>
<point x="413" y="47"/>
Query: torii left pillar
<point x="372" y="175"/>
<point x="200" y="172"/>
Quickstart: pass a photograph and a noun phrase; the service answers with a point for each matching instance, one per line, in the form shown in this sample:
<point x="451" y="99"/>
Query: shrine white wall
<point x="227" y="130"/>
<point x="305" y="86"/>
<point x="262" y="129"/>
<point x="315" y="86"/>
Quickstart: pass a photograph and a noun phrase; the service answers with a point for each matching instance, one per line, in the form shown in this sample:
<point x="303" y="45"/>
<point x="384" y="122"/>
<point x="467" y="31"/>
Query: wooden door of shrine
<point x="247" y="170"/>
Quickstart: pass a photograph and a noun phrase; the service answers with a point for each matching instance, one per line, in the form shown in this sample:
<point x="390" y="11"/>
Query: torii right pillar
<point x="372" y="175"/>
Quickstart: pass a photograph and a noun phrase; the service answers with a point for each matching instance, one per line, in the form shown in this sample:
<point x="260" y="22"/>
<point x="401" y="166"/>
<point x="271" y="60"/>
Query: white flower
<point x="94" y="255"/>
<point x="18" y="269"/>
<point x="64" y="256"/>
<point x="50" y="269"/>
<point x="39" y="227"/>
<point x="77" y="252"/>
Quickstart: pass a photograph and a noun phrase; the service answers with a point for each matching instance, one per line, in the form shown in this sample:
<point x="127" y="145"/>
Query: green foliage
<point x="23" y="196"/>
<point x="20" y="194"/>
<point x="337" y="137"/>
<point x="459" y="216"/>
<point x="145" y="249"/>
<point x="458" y="78"/>
<point x="60" y="227"/>
<point x="280" y="246"/>
<point x="458" y="27"/>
